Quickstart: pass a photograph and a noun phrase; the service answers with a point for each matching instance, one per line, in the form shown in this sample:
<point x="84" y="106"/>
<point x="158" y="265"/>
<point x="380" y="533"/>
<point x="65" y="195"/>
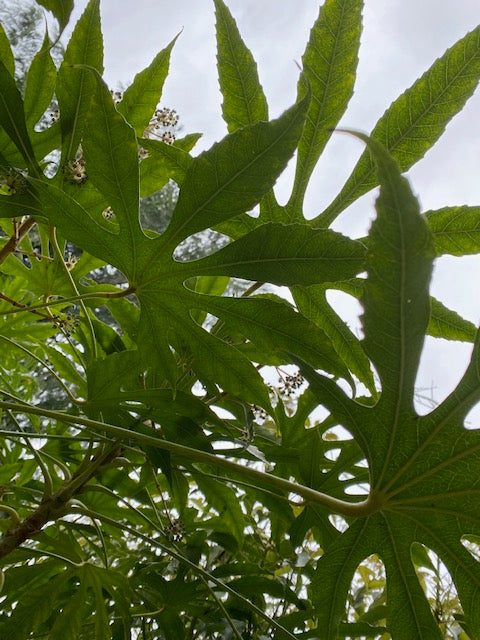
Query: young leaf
<point x="244" y="102"/>
<point x="415" y="121"/>
<point x="329" y="66"/>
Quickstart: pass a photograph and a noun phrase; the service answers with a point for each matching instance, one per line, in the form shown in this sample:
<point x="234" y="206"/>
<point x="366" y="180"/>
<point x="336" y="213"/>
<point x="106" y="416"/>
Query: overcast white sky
<point x="401" y="39"/>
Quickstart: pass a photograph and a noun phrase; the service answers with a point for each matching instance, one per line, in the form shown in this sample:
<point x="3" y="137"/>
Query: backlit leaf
<point x="75" y="87"/>
<point x="415" y="121"/>
<point x="40" y="84"/>
<point x="329" y="65"/>
<point x="61" y="9"/>
<point x="142" y="96"/>
<point x="243" y="99"/>
<point x="456" y="230"/>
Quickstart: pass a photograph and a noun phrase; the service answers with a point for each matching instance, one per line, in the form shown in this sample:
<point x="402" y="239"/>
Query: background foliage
<point x="189" y="449"/>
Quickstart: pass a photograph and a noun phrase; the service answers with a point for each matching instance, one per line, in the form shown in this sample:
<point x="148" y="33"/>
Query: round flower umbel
<point x="168" y="137"/>
<point x="165" y="117"/>
<point x="117" y="96"/>
<point x="54" y="115"/>
<point x="13" y="180"/>
<point x="108" y="213"/>
<point x="175" y="531"/>
<point x="161" y="125"/>
<point x="75" y="172"/>
<point x="68" y="323"/>
<point x="291" y="383"/>
<point x="71" y="260"/>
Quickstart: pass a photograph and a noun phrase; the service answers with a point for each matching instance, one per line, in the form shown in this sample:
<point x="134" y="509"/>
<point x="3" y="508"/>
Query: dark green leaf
<point x="12" y="119"/>
<point x="312" y="303"/>
<point x="68" y="622"/>
<point x="165" y="162"/>
<point x="6" y="54"/>
<point x="419" y="492"/>
<point x="448" y="324"/>
<point x="399" y="265"/>
<point x="277" y="328"/>
<point x="111" y="156"/>
<point x="223" y="499"/>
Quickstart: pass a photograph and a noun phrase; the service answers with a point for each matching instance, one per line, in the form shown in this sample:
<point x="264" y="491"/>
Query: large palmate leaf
<point x="93" y="584"/>
<point x="424" y="470"/>
<point x="414" y="122"/>
<point x="329" y="64"/>
<point x="155" y="480"/>
<point x="218" y="184"/>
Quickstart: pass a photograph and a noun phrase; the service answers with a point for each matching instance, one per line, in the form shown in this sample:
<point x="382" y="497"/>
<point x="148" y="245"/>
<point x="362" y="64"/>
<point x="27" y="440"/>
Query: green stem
<point x="349" y="509"/>
<point x="83" y="296"/>
<point x="11" y="512"/>
<point x="57" y="250"/>
<point x="12" y="435"/>
<point x="51" y="554"/>
<point x="47" y="478"/>
<point x="67" y="476"/>
<point x="47" y="367"/>
<point x="222" y="607"/>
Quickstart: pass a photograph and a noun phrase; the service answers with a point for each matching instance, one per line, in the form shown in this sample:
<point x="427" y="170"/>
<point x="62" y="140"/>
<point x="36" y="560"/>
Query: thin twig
<point x="16" y="237"/>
